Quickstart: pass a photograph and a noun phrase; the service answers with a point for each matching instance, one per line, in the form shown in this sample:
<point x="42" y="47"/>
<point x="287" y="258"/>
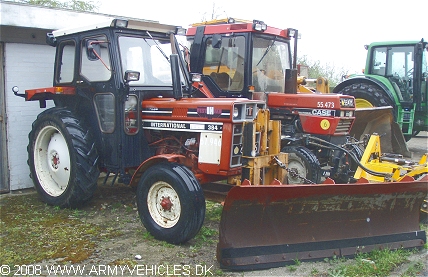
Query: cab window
<point x="95" y="59"/>
<point x="224" y="62"/>
<point x="65" y="70"/>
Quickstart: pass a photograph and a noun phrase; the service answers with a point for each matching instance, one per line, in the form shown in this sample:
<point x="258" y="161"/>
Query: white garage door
<point x="26" y="66"/>
<point x="4" y="176"/>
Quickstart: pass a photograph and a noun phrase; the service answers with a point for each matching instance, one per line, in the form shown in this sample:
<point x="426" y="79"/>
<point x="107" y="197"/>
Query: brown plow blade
<point x="270" y="226"/>
<point x="380" y="120"/>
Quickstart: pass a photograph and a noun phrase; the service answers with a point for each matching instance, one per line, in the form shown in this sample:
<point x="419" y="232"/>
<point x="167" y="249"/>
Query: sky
<point x="333" y="32"/>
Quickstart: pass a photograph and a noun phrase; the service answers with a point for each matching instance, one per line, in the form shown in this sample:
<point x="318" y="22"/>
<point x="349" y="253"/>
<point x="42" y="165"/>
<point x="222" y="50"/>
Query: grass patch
<point x="32" y="231"/>
<point x="213" y="211"/>
<point x="376" y="263"/>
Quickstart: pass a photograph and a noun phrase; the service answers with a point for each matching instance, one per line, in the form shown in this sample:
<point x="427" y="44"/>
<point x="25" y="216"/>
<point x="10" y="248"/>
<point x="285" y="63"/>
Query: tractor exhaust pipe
<point x="176" y="81"/>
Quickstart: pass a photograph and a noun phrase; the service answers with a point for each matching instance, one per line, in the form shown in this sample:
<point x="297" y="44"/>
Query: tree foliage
<point x="76" y="5"/>
<point x="328" y="71"/>
<point x="215" y="13"/>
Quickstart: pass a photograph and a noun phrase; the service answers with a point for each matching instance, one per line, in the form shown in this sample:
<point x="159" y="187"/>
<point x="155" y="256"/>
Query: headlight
<point x="235" y="112"/>
<point x="346" y="113"/>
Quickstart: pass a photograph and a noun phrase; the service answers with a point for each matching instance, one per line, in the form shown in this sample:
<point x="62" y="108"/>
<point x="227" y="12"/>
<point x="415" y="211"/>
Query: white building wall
<point x="28" y="66"/>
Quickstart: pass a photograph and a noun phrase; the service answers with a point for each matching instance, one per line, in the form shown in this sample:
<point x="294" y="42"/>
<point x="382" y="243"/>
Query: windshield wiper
<point x="157" y="46"/>
<point x="267" y="50"/>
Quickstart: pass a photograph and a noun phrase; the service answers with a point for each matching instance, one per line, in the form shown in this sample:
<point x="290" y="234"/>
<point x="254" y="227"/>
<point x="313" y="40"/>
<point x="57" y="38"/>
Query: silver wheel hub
<point x="164" y="204"/>
<point x="52" y="161"/>
<point x="297" y="170"/>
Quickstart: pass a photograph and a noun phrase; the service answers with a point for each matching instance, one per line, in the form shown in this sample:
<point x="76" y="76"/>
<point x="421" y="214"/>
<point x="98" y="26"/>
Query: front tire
<point x="170" y="202"/>
<point x="302" y="163"/>
<point x="348" y="164"/>
<point x="62" y="159"/>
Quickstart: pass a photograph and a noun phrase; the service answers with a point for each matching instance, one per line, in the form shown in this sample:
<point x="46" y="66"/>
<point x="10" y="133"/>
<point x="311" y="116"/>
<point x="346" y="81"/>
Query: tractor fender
<point x="172" y="158"/>
<point x="367" y="80"/>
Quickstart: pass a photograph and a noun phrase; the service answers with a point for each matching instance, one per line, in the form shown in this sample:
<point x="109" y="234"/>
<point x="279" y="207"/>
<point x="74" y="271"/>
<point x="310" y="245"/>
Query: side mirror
<point x="216" y="41"/>
<point x="93" y="50"/>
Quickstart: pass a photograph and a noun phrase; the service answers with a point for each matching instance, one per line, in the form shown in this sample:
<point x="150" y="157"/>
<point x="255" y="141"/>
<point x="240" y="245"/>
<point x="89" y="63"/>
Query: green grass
<point x="32" y="231"/>
<point x="213" y="211"/>
<point x="377" y="263"/>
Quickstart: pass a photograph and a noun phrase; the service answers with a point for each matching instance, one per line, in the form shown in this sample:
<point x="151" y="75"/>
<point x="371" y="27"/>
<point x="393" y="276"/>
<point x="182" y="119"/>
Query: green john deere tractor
<point x="396" y="74"/>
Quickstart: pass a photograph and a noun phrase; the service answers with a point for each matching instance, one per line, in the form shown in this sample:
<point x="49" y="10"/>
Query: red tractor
<point x="243" y="59"/>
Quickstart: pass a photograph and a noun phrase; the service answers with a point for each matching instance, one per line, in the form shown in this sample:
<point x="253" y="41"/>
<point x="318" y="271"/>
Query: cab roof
<point x="132" y="24"/>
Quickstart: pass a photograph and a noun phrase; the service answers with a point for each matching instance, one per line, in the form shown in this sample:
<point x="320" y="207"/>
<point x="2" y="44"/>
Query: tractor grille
<point x="344" y="126"/>
<point x="236" y="149"/>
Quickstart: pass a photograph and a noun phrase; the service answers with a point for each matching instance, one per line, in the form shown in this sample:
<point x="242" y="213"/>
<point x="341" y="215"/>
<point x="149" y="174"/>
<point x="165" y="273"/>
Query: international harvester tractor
<point x="123" y="105"/>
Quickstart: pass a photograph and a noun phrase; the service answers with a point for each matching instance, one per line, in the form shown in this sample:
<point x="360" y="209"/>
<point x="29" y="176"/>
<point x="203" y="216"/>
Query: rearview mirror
<point x="93" y="50"/>
<point x="216" y="41"/>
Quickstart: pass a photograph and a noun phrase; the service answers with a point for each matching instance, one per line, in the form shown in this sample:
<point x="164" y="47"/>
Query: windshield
<point x="396" y="63"/>
<point x="270" y="60"/>
<point x="224" y="62"/>
<point x="143" y="55"/>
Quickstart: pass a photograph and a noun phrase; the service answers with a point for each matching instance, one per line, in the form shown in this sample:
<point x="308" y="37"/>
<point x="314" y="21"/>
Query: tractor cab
<point x="102" y="73"/>
<point x="395" y="75"/>
<point x="240" y="57"/>
<point x="405" y="66"/>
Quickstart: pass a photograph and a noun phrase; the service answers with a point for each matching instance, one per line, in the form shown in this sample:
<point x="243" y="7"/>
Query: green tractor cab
<point x="395" y="75"/>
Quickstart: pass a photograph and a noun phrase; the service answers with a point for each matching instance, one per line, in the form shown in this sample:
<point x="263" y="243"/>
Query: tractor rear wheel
<point x="367" y="95"/>
<point x="302" y="164"/>
<point x="170" y="202"/>
<point x="62" y="158"/>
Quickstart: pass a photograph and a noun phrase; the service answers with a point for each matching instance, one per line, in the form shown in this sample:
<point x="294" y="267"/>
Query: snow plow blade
<point x="273" y="225"/>
<point x="380" y="120"/>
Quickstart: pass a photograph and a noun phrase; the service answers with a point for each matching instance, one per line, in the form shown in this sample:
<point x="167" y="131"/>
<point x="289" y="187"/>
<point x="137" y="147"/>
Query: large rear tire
<point x="62" y="159"/>
<point x="302" y="163"/>
<point x="170" y="202"/>
<point x="367" y="95"/>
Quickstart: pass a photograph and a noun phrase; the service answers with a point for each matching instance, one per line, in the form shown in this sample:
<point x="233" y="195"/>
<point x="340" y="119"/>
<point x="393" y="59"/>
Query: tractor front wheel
<point x="303" y="165"/>
<point x="170" y="202"/>
<point x="347" y="164"/>
<point x="62" y="159"/>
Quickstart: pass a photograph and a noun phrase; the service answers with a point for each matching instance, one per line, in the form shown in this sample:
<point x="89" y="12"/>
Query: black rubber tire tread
<point x="305" y="156"/>
<point x="84" y="171"/>
<point x="371" y="93"/>
<point x="358" y="152"/>
<point x="191" y="196"/>
<point x="353" y="165"/>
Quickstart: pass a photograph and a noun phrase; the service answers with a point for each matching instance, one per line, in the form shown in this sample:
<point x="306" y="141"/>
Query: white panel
<point x="210" y="148"/>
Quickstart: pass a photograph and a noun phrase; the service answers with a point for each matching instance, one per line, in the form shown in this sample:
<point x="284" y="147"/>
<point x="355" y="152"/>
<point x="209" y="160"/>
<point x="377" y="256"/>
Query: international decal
<point x="208" y="112"/>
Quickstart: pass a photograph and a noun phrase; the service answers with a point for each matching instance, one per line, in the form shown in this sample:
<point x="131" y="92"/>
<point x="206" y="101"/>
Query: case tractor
<point x="396" y="74"/>
<point x="249" y="59"/>
<point x="124" y="105"/>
